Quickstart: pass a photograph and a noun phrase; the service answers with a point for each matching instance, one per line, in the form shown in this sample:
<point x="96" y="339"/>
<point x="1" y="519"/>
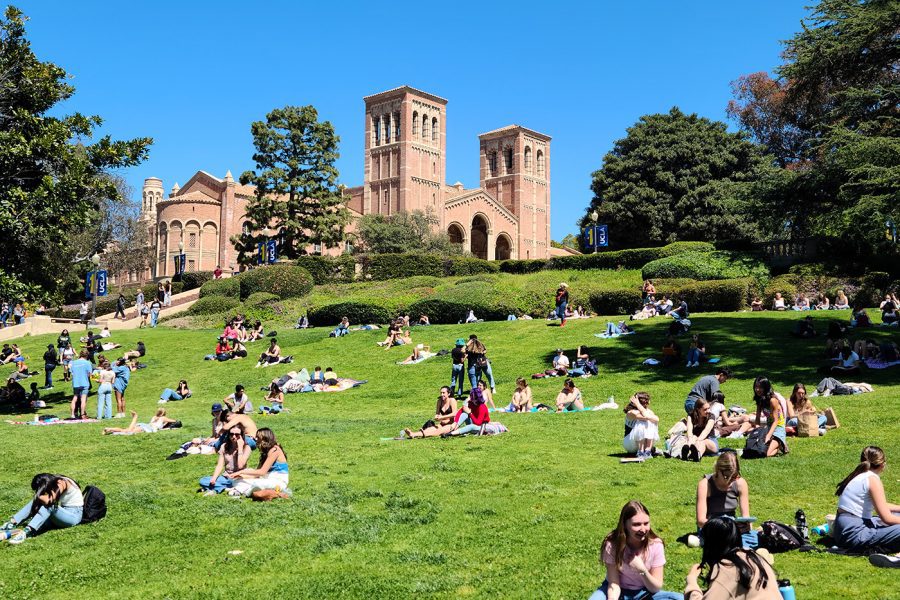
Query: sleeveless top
<point x="719" y="502"/>
<point x="446" y="411"/>
<point x="856" y="499"/>
<point x="279" y="467"/>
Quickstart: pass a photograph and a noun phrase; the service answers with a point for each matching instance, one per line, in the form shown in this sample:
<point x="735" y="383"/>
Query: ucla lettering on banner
<point x="102" y="283"/>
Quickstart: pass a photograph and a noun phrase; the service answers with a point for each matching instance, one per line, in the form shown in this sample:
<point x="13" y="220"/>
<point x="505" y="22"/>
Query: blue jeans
<point x="48" y="374"/>
<point x="222" y="438"/>
<point x="154" y="317"/>
<point x="694" y="355"/>
<point x="854" y="533"/>
<point x="104" y="401"/>
<point x="456" y="378"/>
<point x="59" y="516"/>
<point x="561" y="310"/>
<point x="222" y="483"/>
<point x="170" y="394"/>
<point x="642" y="594"/>
<point x="475" y="373"/>
<point x="689" y="404"/>
<point x="470" y="428"/>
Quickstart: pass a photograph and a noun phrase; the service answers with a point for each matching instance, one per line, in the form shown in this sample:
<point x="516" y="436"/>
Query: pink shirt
<point x="628" y="577"/>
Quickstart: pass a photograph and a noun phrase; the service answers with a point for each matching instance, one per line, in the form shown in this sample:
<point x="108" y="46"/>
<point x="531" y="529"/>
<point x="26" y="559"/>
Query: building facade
<point x="507" y="216"/>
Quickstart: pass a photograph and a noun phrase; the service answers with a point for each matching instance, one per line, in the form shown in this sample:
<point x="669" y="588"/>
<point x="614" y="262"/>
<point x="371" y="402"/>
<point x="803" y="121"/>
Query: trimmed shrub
<point x="261" y="300"/>
<point x="681" y="247"/>
<point x="284" y="280"/>
<point x="210" y="305"/>
<point x="150" y="289"/>
<point x="788" y="285"/>
<point x="395" y="266"/>
<point x="229" y="287"/>
<point x="453" y="304"/>
<point x="329" y="269"/>
<point x="704" y="266"/>
<point x="615" y="301"/>
<point x="872" y="288"/>
<point x="359" y="313"/>
<point x="195" y="279"/>
<point x="519" y="267"/>
<point x="467" y="265"/>
<point x="716" y="295"/>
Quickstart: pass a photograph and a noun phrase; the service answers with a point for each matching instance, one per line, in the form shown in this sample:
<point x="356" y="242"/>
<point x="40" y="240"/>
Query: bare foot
<point x="133" y="413"/>
<point x="408" y="433"/>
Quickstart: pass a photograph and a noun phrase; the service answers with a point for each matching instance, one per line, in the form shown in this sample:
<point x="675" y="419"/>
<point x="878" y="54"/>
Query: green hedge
<point x="229" y="287"/>
<point x="633" y="258"/>
<point x="359" y="313"/>
<point x="788" y="285"/>
<point x="466" y="265"/>
<point x="453" y="304"/>
<point x="210" y="305"/>
<point x="329" y="269"/>
<point x="615" y="301"/>
<point x="195" y="279"/>
<point x="396" y="266"/>
<point x="284" y="280"/>
<point x="701" y="296"/>
<point x="704" y="266"/>
<point x="520" y="267"/>
<point x="261" y="300"/>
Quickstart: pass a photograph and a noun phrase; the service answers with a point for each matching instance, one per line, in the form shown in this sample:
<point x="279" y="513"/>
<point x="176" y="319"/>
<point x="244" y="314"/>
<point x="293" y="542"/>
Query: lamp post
<point x="95" y="260"/>
<point x="594" y="217"/>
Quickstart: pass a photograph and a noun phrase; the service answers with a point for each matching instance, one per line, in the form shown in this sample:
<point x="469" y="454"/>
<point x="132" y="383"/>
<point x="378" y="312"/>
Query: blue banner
<point x="88" y="285"/>
<point x="596" y="236"/>
<point x="271" y="252"/>
<point x="102" y="283"/>
<point x="179" y="263"/>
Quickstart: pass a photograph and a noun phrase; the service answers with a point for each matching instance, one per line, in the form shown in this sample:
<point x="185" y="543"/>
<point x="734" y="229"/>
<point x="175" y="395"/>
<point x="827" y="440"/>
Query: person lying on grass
<point x="773" y="405"/>
<point x="634" y="558"/>
<point x="641" y="426"/>
<point x="569" y="398"/>
<point x="415" y="356"/>
<point x="158" y="422"/>
<point x="270" y="474"/>
<point x="861" y="494"/>
<point x="734" y="571"/>
<point x="700" y="433"/>
<point x="521" y="400"/>
<point x="233" y="456"/>
<point x="723" y="493"/>
<point x="473" y="416"/>
<point x="57" y="503"/>
<point x="442" y="421"/>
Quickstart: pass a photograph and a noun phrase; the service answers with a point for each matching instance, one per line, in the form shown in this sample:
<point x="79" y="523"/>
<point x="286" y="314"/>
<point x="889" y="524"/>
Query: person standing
<point x="81" y="384"/>
<point x="50" y="363"/>
<point x="155" y="307"/>
<point x="139" y="303"/>
<point x="120" y="384"/>
<point x="167" y="296"/>
<point x="458" y="354"/>
<point x="120" y="307"/>
<point x="562" y="301"/>
<point x="4" y="314"/>
<point x="83" y="311"/>
<point x="105" y="391"/>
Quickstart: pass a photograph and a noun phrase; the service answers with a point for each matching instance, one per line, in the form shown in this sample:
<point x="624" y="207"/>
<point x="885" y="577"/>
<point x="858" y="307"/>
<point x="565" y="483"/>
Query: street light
<point x="95" y="260"/>
<point x="594" y="216"/>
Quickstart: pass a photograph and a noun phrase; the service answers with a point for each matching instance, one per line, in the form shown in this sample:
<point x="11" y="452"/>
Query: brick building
<point x="507" y="216"/>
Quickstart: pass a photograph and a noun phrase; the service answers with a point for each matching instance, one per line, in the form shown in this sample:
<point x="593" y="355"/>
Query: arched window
<point x="434" y="130"/>
<point x="415" y="124"/>
<point x="508" y="159"/>
<point x="396" y="126"/>
<point x="425" y="133"/>
<point x="540" y="163"/>
<point x="492" y="163"/>
<point x="528" y="159"/>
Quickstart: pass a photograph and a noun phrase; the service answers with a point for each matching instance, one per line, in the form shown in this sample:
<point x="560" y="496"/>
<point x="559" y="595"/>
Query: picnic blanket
<point x="422" y="356"/>
<point x="344" y="383"/>
<point x="874" y="363"/>
<point x="607" y="336"/>
<point x="54" y="421"/>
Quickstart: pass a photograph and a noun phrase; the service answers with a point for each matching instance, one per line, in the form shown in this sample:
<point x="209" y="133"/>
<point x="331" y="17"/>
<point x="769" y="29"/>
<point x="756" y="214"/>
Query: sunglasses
<point x="233" y="434"/>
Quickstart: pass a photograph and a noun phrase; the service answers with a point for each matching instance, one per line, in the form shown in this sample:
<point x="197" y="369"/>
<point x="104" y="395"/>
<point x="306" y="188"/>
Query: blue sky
<point x="193" y="75"/>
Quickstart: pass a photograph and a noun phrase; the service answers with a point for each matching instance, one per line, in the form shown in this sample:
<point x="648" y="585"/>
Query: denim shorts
<point x="80" y="391"/>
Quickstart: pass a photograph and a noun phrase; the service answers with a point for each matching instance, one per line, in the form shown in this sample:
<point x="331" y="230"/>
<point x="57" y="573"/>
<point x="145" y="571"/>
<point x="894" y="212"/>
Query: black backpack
<point x="756" y="446"/>
<point x="778" y="537"/>
<point x="94" y="504"/>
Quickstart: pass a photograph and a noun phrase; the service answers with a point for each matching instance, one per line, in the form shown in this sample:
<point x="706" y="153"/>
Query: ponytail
<point x="872" y="457"/>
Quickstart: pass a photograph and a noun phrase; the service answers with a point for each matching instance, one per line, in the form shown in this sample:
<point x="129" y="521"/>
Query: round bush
<point x="787" y="285"/>
<point x="283" y="280"/>
<point x="359" y="313"/>
<point x="195" y="279"/>
<point x="453" y="304"/>
<point x="615" y="301"/>
<point x="210" y="305"/>
<point x="467" y="265"/>
<point x="261" y="300"/>
<point x="704" y="266"/>
<point x="229" y="288"/>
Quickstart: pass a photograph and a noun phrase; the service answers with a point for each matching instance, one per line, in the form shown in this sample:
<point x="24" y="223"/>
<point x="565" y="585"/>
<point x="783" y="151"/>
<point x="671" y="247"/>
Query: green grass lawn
<point x="519" y="515"/>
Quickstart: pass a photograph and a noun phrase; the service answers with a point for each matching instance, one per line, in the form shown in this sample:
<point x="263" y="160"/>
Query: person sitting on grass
<point x="342" y="329"/>
<point x="823" y="303"/>
<point x="727" y="425"/>
<point x="424" y="320"/>
<point x="802" y="303"/>
<point x="158" y="422"/>
<point x="223" y="350"/>
<point x="486" y="394"/>
<point x="799" y="404"/>
<point x="671" y="352"/>
<point x="233" y="456"/>
<point x="634" y="557"/>
<point x="560" y="363"/>
<point x="239" y="402"/>
<point x="681" y="312"/>
<point x="12" y="355"/>
<point x="441" y="422"/>
<point x="848" y="362"/>
<point x="521" y="400"/>
<point x="227" y="420"/>
<point x="274" y="400"/>
<point x="395" y="329"/>
<point x="840" y="301"/>
<point x="647" y="311"/>
<point x="861" y="494"/>
<point x="641" y="426"/>
<point x="722" y="493"/>
<point x="57" y="504"/>
<point x="473" y="416"/>
<point x="773" y="406"/>
<point x="734" y="571"/>
<point x="180" y="392"/>
<point x="700" y="433"/>
<point x="583" y="366"/>
<point x="664" y="306"/>
<point x="257" y="333"/>
<point x="889" y="315"/>
<point x="778" y="302"/>
<point x="317" y="377"/>
<point x="757" y="305"/>
<point x="271" y="356"/>
<point x="270" y="474"/>
<point x="569" y="398"/>
<point x="238" y="351"/>
<point x="696" y="352"/>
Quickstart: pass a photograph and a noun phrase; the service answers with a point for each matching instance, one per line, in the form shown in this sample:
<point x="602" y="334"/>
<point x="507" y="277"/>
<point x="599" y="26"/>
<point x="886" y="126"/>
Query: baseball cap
<point x="460" y="342"/>
<point x="216" y="408"/>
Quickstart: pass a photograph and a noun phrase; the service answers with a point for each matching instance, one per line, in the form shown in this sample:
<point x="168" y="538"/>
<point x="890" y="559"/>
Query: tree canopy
<point x="677" y="177"/>
<point x="297" y="199"/>
<point x="405" y="232"/>
<point x="53" y="182"/>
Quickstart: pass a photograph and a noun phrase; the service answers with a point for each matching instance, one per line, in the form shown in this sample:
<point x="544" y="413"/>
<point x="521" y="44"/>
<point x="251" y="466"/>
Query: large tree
<point x="677" y="177"/>
<point x="402" y="232"/>
<point x="52" y="180"/>
<point x="297" y="197"/>
<point x="837" y="99"/>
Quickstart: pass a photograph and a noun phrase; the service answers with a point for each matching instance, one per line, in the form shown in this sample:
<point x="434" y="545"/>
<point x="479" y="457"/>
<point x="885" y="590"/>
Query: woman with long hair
<point x="700" y="433"/>
<point x="724" y="493"/>
<point x="731" y="570"/>
<point x="634" y="558"/>
<point x="233" y="456"/>
<point x="274" y="401"/>
<point x="521" y="400"/>
<point x="641" y="426"/>
<point x="443" y="420"/>
<point x="800" y="403"/>
<point x="57" y="501"/>
<point x="860" y="494"/>
<point x="270" y="474"/>
<point x="180" y="392"/>
<point x="774" y="406"/>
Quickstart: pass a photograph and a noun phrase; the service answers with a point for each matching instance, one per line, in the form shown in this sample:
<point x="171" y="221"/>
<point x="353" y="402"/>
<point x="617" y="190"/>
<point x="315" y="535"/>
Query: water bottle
<point x="786" y="589"/>
<point x="800" y="520"/>
<point x="821" y="529"/>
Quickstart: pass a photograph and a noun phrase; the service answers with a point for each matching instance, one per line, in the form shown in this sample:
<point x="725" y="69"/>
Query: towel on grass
<point x="344" y="383"/>
<point x="874" y="363"/>
<point x="54" y="421"/>
<point x="422" y="356"/>
<point x="607" y="336"/>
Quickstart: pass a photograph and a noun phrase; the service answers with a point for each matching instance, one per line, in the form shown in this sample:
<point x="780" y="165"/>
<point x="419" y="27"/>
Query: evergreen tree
<point x="297" y="200"/>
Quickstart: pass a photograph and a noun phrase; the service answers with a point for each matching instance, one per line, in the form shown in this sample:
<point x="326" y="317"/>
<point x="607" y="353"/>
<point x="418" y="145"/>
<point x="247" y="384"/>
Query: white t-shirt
<point x="779" y="303"/>
<point x="715" y="409"/>
<point x="850" y="361"/>
<point x="72" y="496"/>
<point x="561" y="361"/>
<point x="856" y="499"/>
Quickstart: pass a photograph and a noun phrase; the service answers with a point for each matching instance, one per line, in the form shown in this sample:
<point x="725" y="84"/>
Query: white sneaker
<point x="210" y="493"/>
<point x="696" y="364"/>
<point x="885" y="561"/>
<point x="17" y="537"/>
<point x="161" y="401"/>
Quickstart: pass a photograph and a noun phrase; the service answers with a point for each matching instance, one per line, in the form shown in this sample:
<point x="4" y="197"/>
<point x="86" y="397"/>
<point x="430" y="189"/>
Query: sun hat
<point x="565" y="285"/>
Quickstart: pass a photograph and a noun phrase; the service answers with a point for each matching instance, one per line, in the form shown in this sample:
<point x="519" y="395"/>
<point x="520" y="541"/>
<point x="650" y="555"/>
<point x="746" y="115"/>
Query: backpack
<point x="756" y="446"/>
<point x="778" y="537"/>
<point x="94" y="505"/>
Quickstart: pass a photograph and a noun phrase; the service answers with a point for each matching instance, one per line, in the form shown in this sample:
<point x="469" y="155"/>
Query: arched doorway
<point x="504" y="248"/>
<point x="479" y="246"/>
<point x="456" y="234"/>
